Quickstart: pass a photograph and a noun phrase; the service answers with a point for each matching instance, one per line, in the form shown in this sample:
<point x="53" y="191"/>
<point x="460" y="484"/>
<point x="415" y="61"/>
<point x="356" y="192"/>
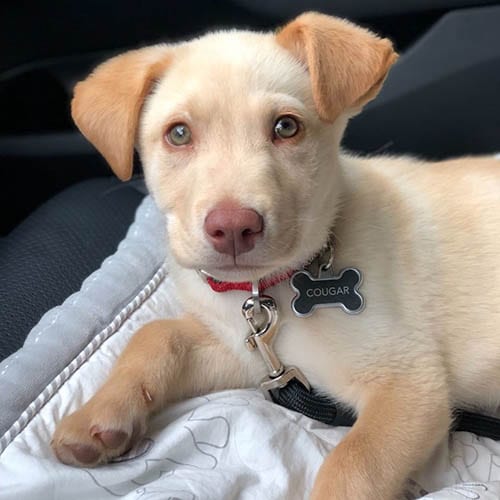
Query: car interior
<point x="62" y="210"/>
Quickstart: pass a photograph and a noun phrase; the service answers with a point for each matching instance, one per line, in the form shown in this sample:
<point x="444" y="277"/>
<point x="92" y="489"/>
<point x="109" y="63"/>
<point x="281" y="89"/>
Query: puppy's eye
<point x="178" y="134"/>
<point x="286" y="127"/>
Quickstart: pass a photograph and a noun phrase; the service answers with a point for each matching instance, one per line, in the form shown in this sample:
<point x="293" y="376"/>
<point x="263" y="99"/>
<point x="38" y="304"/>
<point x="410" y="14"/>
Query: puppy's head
<point x="238" y="134"/>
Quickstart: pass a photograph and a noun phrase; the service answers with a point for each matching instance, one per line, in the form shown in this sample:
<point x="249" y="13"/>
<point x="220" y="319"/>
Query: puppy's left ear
<point x="106" y="106"/>
<point x="347" y="64"/>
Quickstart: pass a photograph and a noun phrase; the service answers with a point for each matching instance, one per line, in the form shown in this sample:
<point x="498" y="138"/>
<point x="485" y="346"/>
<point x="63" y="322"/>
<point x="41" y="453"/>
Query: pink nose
<point x="232" y="229"/>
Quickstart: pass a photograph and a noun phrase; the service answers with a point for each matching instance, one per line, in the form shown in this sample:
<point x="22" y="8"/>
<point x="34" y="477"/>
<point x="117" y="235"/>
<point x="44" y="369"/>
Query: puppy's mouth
<point x="237" y="272"/>
<point x="271" y="254"/>
<point x="246" y="268"/>
<point x="243" y="282"/>
<point x="256" y="264"/>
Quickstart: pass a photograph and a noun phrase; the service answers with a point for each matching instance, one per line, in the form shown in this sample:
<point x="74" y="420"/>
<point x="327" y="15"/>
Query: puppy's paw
<point x="97" y="433"/>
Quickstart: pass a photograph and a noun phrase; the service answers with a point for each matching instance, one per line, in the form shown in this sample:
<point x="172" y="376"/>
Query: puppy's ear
<point x="106" y="106"/>
<point x="347" y="64"/>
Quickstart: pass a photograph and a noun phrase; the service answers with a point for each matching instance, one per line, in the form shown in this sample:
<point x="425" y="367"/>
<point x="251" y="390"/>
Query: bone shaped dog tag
<point x="334" y="291"/>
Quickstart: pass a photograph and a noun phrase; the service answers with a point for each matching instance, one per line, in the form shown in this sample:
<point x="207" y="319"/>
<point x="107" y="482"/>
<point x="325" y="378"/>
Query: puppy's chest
<point x="323" y="345"/>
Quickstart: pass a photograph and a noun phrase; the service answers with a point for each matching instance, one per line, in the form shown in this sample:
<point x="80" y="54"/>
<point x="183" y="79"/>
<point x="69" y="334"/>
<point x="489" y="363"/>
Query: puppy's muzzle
<point x="232" y="229"/>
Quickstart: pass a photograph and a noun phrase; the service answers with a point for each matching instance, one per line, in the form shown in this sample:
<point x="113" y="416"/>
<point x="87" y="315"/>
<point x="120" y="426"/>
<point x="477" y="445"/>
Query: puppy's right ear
<point x="347" y="64"/>
<point x="107" y="105"/>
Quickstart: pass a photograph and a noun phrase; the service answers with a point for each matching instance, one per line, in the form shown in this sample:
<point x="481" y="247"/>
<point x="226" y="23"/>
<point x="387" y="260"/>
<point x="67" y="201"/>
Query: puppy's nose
<point x="232" y="229"/>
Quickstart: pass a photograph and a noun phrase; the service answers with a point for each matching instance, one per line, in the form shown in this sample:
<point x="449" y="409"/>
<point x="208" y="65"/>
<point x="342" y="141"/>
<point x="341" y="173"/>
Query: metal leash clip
<point x="263" y="328"/>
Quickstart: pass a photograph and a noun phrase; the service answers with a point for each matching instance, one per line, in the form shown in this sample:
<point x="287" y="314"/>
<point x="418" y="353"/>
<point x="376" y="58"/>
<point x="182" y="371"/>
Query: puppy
<point x="239" y="135"/>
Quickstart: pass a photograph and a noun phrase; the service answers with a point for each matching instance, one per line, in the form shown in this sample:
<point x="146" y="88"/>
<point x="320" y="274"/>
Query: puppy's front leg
<point x="396" y="431"/>
<point x="165" y="361"/>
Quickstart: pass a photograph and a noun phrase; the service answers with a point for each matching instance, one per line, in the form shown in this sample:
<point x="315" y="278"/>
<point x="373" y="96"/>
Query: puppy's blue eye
<point x="285" y="127"/>
<point x="178" y="134"/>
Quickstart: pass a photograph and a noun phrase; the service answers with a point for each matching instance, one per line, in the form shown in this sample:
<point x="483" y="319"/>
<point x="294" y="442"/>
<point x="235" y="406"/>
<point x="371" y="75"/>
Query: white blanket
<point x="232" y="444"/>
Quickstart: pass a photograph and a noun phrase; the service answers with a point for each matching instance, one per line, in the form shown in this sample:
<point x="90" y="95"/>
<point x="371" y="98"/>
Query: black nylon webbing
<point x="295" y="396"/>
<point x="482" y="425"/>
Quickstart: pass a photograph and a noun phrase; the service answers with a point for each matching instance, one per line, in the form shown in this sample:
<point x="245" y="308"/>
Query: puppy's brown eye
<point x="178" y="134"/>
<point x="286" y="127"/>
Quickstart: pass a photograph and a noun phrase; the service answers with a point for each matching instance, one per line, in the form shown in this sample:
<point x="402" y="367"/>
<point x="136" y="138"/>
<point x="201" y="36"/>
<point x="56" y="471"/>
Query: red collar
<point x="246" y="286"/>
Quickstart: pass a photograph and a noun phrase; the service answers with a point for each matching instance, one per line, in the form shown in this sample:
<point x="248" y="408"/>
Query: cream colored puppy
<point x="239" y="134"/>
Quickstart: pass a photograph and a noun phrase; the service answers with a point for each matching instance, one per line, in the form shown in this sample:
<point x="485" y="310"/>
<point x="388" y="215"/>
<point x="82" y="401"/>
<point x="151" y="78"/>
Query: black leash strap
<point x="295" y="396"/>
<point x="482" y="425"/>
